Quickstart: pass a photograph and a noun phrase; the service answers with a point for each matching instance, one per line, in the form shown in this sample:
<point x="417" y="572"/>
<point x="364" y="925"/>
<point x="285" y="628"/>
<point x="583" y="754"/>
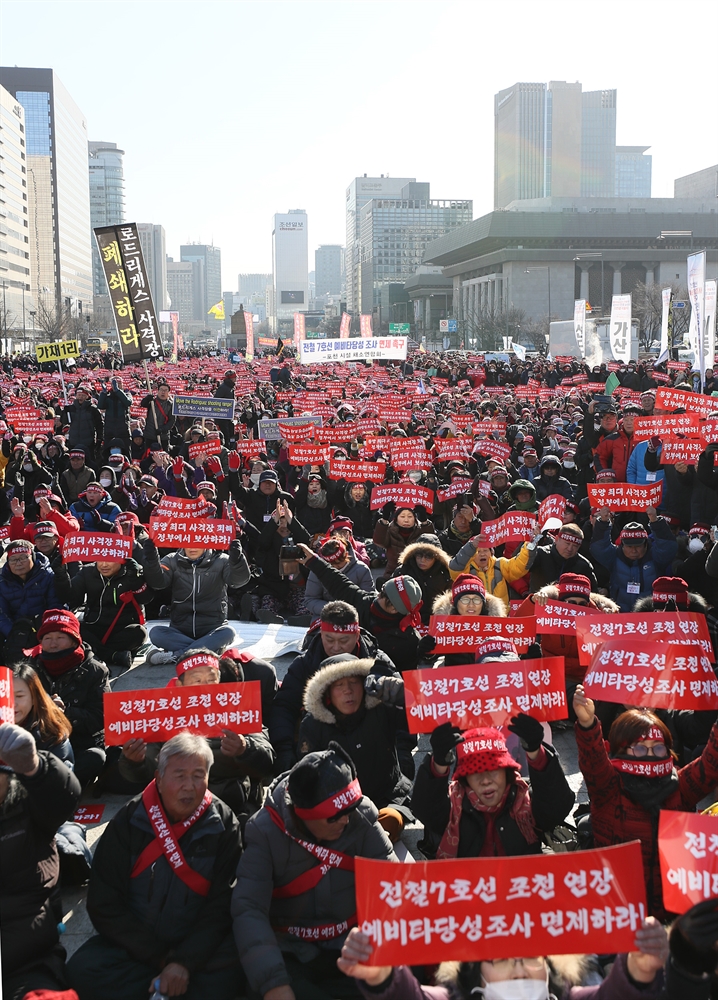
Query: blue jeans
<point x="170" y="638"/>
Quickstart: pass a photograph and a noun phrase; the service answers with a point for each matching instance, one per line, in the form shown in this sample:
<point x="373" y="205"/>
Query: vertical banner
<point x="365" y="325"/>
<point x="696" y="280"/>
<point x="579" y="325"/>
<point x="666" y="323"/>
<point x="345" y="327"/>
<point x="620" y="333"/>
<point x="174" y="320"/>
<point x="299" y="329"/>
<point x="7" y="697"/>
<point x="709" y="323"/>
<point x="249" y="327"/>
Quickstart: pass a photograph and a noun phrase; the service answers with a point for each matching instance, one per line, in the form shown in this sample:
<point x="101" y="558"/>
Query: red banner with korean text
<point x="296" y="433"/>
<point x="334" y="435"/>
<point x="558" y="617"/>
<point x="494" y="449"/>
<point x="182" y="506"/>
<point x="157" y="714"/>
<point x="488" y="908"/>
<point x="357" y="472"/>
<point x="654" y="675"/>
<point x="89" y="815"/>
<point x="677" y="450"/>
<point x="709" y="430"/>
<point x="553" y="506"/>
<point x="459" y="447"/>
<point x="490" y="427"/>
<point x="85" y="546"/>
<point x="212" y="447"/>
<point x="485" y="694"/>
<point x="693" y="402"/>
<point x="308" y="454"/>
<point x="645" y="428"/>
<point x="515" y="525"/>
<point x="7" y="696"/>
<point x="456" y="488"/>
<point x="410" y="457"/>
<point x="454" y="633"/>
<point x="625" y="496"/>
<point x="251" y="448"/>
<point x="680" y="627"/>
<point x="688" y="853"/>
<point x="23" y="426"/>
<point x="403" y="495"/>
<point x="373" y="444"/>
<point x="173" y="532"/>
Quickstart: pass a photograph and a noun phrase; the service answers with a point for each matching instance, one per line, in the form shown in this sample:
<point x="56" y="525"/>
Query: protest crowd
<point x="481" y="553"/>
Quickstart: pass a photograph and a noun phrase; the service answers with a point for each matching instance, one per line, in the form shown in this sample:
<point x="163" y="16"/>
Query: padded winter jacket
<point x="26" y="598"/>
<point x="103" y="597"/>
<point x="499" y="573"/>
<point x="614" y="452"/>
<point x="81" y="691"/>
<point x="638" y="574"/>
<point x="316" y="596"/>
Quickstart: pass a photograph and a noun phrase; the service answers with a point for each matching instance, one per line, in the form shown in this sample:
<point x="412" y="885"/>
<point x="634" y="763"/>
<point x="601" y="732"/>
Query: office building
<point x="328" y="269"/>
<point x="210" y="286"/>
<point x="16" y="300"/>
<point x="598" y="145"/>
<point x="290" y="270"/>
<point x="249" y="285"/>
<point x="152" y="240"/>
<point x="185" y="288"/>
<point x="701" y="184"/>
<point x="58" y="191"/>
<point x="107" y="199"/>
<point x="393" y="236"/>
<point x="360" y="191"/>
<point x="519" y="143"/>
<point x="633" y="172"/>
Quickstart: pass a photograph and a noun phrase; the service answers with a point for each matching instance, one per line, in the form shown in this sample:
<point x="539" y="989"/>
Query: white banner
<point x="709" y="323"/>
<point x="620" y="334"/>
<point x="317" y="352"/>
<point x="579" y="325"/>
<point x="696" y="280"/>
<point x="666" y="295"/>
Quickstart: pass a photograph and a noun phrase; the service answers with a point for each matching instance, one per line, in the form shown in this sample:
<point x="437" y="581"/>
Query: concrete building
<point x="598" y="144"/>
<point x="107" y="200"/>
<point x="701" y="184"/>
<point x="633" y="172"/>
<point x="185" y="283"/>
<point x="152" y="240"/>
<point x="249" y="285"/>
<point x="329" y="269"/>
<point x="16" y="299"/>
<point x="209" y="290"/>
<point x="60" y="244"/>
<point x="290" y="268"/>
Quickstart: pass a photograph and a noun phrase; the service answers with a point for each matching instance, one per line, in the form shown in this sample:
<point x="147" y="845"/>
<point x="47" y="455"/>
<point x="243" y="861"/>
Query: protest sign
<point x="158" y="714"/>
<point x="58" y="351"/>
<point x="625" y="496"/>
<point x="88" y="815"/>
<point x="308" y="454"/>
<point x="374" y="444"/>
<point x="516" y="525"/>
<point x="654" y="675"/>
<point x="496" y="449"/>
<point x="677" y="450"/>
<point x="86" y="546"/>
<point x="455" y="633"/>
<point x="456" y="488"/>
<point x="403" y="495"/>
<point x="485" y="694"/>
<point x="708" y="430"/>
<point x="7" y="697"/>
<point x="688" y="853"/>
<point x="4" y="531"/>
<point x="176" y="532"/>
<point x="268" y="429"/>
<point x="296" y="433"/>
<point x="645" y="428"/>
<point x="333" y="435"/>
<point x="23" y="425"/>
<point x="356" y="472"/>
<point x="203" y="406"/>
<point x="182" y="506"/>
<point x="312" y="352"/>
<point x="553" y="506"/>
<point x="693" y="402"/>
<point x="367" y="425"/>
<point x="471" y="909"/>
<point x="212" y="447"/>
<point x="250" y="448"/>
<point x="448" y="448"/>
<point x="684" y="626"/>
<point x="409" y="456"/>
<point x="490" y="427"/>
<point x="558" y="617"/>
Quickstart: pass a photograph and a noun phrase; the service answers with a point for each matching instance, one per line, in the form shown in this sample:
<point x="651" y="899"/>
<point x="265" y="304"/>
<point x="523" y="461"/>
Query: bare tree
<point x="647" y="306"/>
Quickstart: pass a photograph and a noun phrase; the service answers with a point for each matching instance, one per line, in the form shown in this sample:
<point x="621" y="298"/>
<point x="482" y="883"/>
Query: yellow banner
<point x="57" y="351"/>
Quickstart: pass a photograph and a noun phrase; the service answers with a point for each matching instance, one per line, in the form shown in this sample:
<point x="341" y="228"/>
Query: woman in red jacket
<point x="633" y="778"/>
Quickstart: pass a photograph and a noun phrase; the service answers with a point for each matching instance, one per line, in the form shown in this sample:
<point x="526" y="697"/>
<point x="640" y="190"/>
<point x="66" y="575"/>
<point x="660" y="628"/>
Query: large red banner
<point x="657" y="675"/>
<point x="7" y="696"/>
<point x="88" y="547"/>
<point x="558" y="617"/>
<point x="157" y="714"/>
<point x="357" y="472"/>
<point x="212" y="447"/>
<point x="516" y="525"/>
<point x="24" y="426"/>
<point x="454" y="633"/>
<point x="677" y="399"/>
<point x="677" y="450"/>
<point x="403" y="495"/>
<point x="625" y="496"/>
<point x="680" y="627"/>
<point x="308" y="454"/>
<point x="485" y="694"/>
<point x="173" y="532"/>
<point x="454" y="489"/>
<point x="486" y="908"/>
<point x="645" y="428"/>
<point x="688" y="852"/>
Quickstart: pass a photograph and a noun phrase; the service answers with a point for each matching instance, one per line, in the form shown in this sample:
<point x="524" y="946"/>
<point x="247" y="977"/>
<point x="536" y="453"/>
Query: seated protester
<point x="632" y="776"/>
<point x="37" y="794"/>
<point x="487" y="809"/>
<point x="391" y="616"/>
<point x="523" y="497"/>
<point x="427" y="563"/>
<point x="49" y="508"/>
<point x="467" y="597"/>
<point x="285" y="897"/>
<point x="75" y="480"/>
<point x="76" y="682"/>
<point x="341" y="556"/>
<point x="37" y="712"/>
<point x="354" y="506"/>
<point x="259" y="504"/>
<point x="314" y="502"/>
<point x="342" y="527"/>
<point x="560" y="554"/>
<point x="47" y="541"/>
<point x="278" y="595"/>
<point x="198" y="579"/>
<point x="636" y="976"/>
<point x="634" y="562"/>
<point x="463" y="525"/>
<point x="113" y="595"/>
<point x="394" y="536"/>
<point x="337" y="632"/>
<point x="360" y="708"/>
<point x="160" y="888"/>
<point x="94" y="510"/>
<point x="27" y="589"/>
<point x="30" y="477"/>
<point x="477" y="558"/>
<point x="149" y="498"/>
<point x="232" y="661"/>
<point x="241" y="763"/>
<point x="550" y="479"/>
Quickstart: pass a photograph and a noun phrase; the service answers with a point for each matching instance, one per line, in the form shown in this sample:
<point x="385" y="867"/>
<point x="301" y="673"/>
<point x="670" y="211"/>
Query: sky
<point x="231" y="111"/>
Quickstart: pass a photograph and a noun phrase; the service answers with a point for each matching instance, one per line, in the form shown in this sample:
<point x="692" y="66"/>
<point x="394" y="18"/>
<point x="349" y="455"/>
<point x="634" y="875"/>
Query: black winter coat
<point x="360" y="514"/>
<point x="165" y="418"/>
<point x="81" y="690"/>
<point x="116" y="404"/>
<point x="102" y="597"/>
<point x="547" y="566"/>
<point x="267" y="557"/>
<point x="85" y="422"/>
<point x="256" y="506"/>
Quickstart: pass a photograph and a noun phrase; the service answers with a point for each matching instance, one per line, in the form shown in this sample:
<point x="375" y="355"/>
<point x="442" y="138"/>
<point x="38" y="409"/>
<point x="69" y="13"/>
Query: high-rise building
<point x="598" y="144"/>
<point x="633" y="172"/>
<point x="14" y="219"/>
<point x="360" y="191"/>
<point x="58" y="190"/>
<point x="107" y="199"/>
<point x="328" y="269"/>
<point x="519" y="143"/>
<point x="210" y="257"/>
<point x="562" y="165"/>
<point x="249" y="285"/>
<point x="701" y="184"/>
<point x="184" y="281"/>
<point x="290" y="270"/>
<point x="152" y="240"/>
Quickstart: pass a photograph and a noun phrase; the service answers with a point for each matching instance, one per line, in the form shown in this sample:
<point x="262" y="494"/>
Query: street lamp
<point x="547" y="269"/>
<point x="597" y="255"/>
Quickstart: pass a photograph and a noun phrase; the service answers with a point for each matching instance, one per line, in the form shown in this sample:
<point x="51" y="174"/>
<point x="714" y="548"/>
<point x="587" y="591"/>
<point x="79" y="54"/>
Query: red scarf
<point x="167" y="840"/>
<point x="644" y="767"/>
<point x="56" y="666"/>
<point x="413" y="619"/>
<point x="520" y="811"/>
<point x="127" y="598"/>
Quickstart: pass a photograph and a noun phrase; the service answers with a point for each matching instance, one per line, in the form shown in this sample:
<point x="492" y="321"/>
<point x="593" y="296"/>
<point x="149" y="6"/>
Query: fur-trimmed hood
<point x="696" y="604"/>
<point x="494" y="605"/>
<point x="569" y="970"/>
<point x="601" y="603"/>
<point x="423" y="548"/>
<point x="318" y="685"/>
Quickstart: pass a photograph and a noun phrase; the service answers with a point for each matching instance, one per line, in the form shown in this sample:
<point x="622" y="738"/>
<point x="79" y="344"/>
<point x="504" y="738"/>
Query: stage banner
<point x="308" y="454"/>
<point x="671" y="424"/>
<point x="688" y="853"/>
<point x="357" y="472"/>
<point x="403" y="495"/>
<point x="679" y="399"/>
<point x="455" y="633"/>
<point x="517" y="525"/>
<point x="7" y="696"/>
<point x="488" y="908"/>
<point x="654" y="675"/>
<point x="579" y="325"/>
<point x="317" y="352"/>
<point x="625" y="496"/>
<point x="485" y="694"/>
<point x="651" y="626"/>
<point x="620" y="334"/>
<point x="175" y="532"/>
<point x="158" y="714"/>
<point x="86" y="546"/>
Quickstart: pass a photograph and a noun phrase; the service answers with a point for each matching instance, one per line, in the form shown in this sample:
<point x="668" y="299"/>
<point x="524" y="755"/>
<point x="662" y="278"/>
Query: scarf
<point x="60" y="663"/>
<point x="650" y="793"/>
<point x="390" y="620"/>
<point x="529" y="506"/>
<point x="520" y="812"/>
<point x="463" y="536"/>
<point x="317" y="500"/>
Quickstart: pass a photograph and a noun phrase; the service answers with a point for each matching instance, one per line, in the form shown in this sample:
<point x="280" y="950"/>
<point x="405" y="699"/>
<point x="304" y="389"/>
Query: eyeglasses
<point x="507" y="965"/>
<point x="344" y="812"/>
<point x="476" y="600"/>
<point x="659" y="750"/>
<point x="577" y="600"/>
<point x="19" y="557"/>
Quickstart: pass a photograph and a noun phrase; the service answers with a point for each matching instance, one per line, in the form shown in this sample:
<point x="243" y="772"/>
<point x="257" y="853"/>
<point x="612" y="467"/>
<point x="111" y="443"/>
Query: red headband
<point x="496" y="646"/>
<point x="332" y="627"/>
<point x="654" y="733"/>
<point x="566" y="536"/>
<point x="336" y="803"/>
<point x="200" y="660"/>
<point x="640" y="535"/>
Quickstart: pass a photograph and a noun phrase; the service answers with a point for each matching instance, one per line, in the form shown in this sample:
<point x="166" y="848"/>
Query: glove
<point x="235" y="550"/>
<point x="214" y="466"/>
<point x="444" y="740"/>
<point x="693" y="938"/>
<point x="144" y="498"/>
<point x="178" y="467"/>
<point x="389" y="690"/>
<point x="17" y="749"/>
<point x="426" y="645"/>
<point x="96" y="516"/>
<point x="234" y="460"/>
<point x="528" y="730"/>
<point x="654" y="444"/>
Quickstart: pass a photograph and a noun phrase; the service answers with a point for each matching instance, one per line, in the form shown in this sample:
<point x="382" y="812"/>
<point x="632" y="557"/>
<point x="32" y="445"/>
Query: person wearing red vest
<point x="160" y="890"/>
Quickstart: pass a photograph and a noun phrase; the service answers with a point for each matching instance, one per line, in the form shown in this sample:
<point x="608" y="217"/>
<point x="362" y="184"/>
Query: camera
<point x="289" y="556"/>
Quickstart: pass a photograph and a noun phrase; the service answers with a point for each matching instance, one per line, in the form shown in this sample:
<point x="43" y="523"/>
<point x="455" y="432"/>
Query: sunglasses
<point x="660" y="750"/>
<point x="344" y="812"/>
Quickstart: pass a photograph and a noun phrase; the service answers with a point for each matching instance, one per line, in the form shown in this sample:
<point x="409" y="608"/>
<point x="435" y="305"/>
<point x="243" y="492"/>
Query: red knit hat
<point x="465" y="583"/>
<point x="482" y="750"/>
<point x="60" y="621"/>
<point x="670" y="588"/>
<point x="573" y="585"/>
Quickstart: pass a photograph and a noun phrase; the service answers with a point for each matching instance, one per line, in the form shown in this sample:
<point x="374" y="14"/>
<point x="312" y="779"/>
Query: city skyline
<point x="241" y="165"/>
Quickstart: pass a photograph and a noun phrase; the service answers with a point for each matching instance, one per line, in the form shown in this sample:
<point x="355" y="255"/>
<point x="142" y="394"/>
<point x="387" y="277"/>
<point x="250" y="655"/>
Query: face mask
<point x="415" y="477"/>
<point x="569" y="465"/>
<point x="515" y="989"/>
<point x="27" y="466"/>
<point x="255" y="478"/>
<point x="105" y="481"/>
<point x="695" y="545"/>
